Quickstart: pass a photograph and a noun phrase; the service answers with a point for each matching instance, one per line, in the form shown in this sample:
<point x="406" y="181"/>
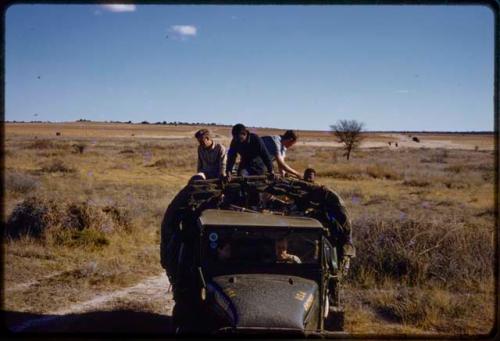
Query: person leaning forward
<point x="211" y="156"/>
<point x="254" y="157"/>
<point x="277" y="145"/>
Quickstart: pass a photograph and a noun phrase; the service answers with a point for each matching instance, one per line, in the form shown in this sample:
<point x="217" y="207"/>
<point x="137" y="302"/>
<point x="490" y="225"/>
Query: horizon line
<point x="180" y="123"/>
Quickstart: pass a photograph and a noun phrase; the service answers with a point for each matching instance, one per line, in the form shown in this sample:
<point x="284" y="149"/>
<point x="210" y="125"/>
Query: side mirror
<point x="333" y="259"/>
<point x="331" y="256"/>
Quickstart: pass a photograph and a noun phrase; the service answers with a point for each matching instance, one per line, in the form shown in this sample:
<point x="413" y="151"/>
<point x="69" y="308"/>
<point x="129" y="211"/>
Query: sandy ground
<point x="152" y="292"/>
<point x="146" y="308"/>
<point x="403" y="141"/>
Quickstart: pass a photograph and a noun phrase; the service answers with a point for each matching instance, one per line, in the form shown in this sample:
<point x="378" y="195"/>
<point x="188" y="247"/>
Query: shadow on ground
<point x="116" y="321"/>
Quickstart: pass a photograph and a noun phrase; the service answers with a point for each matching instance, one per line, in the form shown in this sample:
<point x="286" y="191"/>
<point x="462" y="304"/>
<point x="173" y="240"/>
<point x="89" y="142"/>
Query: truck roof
<point x="235" y="218"/>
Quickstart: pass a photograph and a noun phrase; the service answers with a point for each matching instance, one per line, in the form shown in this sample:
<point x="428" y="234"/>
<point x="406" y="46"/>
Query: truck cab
<point x="263" y="272"/>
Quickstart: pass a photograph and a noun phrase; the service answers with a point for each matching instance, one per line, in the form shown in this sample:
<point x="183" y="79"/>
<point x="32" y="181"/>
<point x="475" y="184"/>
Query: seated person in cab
<point x="282" y="255"/>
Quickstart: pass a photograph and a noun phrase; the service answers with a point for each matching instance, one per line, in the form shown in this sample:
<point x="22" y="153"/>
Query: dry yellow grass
<point x="432" y="190"/>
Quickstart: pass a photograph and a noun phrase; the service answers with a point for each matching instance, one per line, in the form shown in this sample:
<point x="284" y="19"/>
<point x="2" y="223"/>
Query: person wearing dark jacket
<point x="254" y="157"/>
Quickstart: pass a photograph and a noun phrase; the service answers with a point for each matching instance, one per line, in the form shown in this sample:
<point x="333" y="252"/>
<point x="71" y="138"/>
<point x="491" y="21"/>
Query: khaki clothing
<point x="212" y="161"/>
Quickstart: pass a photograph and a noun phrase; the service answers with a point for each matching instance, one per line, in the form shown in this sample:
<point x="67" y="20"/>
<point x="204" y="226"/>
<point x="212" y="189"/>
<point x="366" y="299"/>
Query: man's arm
<point x="222" y="160"/>
<point x="281" y="170"/>
<point x="231" y="157"/>
<point x="283" y="166"/>
<point x="198" y="167"/>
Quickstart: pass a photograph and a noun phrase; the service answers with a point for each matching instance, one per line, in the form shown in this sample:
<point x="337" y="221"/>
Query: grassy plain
<point x="423" y="218"/>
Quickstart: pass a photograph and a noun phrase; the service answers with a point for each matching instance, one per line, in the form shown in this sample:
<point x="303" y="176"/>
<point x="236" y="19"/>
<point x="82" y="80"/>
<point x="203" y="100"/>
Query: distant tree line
<point x="486" y="132"/>
<point x="178" y="123"/>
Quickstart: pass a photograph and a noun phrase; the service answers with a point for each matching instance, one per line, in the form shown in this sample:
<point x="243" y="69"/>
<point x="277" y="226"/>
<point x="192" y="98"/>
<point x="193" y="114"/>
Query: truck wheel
<point x="335" y="320"/>
<point x="186" y="319"/>
<point x="178" y="319"/>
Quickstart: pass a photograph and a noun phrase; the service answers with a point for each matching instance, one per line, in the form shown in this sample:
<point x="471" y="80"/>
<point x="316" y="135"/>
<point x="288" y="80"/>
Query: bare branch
<point x="348" y="132"/>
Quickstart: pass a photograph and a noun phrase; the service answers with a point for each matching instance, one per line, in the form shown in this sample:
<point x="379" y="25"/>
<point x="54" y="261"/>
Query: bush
<point x="56" y="165"/>
<point x="437" y="156"/>
<point x="429" y="309"/>
<point x="120" y="218"/>
<point x="32" y="217"/>
<point x="66" y="223"/>
<point x="41" y="144"/>
<point x="79" y="148"/>
<point x="180" y="159"/>
<point x="416" y="251"/>
<point x="455" y="169"/>
<point x="88" y="238"/>
<point x="416" y="183"/>
<point x="343" y="171"/>
<point x="379" y="171"/>
<point x="20" y="182"/>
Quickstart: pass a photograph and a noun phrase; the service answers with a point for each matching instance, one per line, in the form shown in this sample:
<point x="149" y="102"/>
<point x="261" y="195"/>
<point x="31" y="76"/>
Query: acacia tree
<point x="348" y="132"/>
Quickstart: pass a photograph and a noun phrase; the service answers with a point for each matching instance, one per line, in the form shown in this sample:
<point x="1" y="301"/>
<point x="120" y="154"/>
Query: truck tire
<point x="335" y="320"/>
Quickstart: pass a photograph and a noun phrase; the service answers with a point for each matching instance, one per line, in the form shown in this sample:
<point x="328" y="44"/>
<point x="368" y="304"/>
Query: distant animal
<point x="416" y="139"/>
<point x="389" y="143"/>
<point x="58" y="134"/>
<point x="396" y="144"/>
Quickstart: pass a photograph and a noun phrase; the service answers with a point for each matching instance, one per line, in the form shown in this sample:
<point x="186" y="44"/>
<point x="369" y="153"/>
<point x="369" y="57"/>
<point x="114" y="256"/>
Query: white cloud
<point x="183" y="31"/>
<point x="119" y="8"/>
<point x="403" y="91"/>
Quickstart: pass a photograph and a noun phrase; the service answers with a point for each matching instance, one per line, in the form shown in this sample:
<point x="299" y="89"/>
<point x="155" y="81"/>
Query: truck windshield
<point x="262" y="246"/>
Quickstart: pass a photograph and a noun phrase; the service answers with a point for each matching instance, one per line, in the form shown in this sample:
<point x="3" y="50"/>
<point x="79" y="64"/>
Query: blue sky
<point x="300" y="67"/>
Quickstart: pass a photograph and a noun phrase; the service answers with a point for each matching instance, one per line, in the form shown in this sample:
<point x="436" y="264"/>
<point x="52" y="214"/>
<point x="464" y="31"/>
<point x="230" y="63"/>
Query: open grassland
<point x="83" y="211"/>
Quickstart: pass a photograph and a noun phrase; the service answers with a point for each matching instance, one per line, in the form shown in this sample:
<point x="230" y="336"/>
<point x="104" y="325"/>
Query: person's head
<point x="281" y="247"/>
<point x="239" y="132"/>
<point x="203" y="137"/>
<point x="224" y="251"/>
<point x="289" y="138"/>
<point x="309" y="174"/>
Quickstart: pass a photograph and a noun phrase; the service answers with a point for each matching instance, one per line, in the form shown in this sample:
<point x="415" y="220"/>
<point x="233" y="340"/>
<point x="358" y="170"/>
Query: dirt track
<point x="143" y="308"/>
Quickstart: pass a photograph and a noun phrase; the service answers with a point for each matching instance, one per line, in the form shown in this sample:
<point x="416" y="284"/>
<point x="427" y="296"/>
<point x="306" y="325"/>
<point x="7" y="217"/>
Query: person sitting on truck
<point x="211" y="156"/>
<point x="254" y="157"/>
<point x="277" y="146"/>
<point x="309" y="175"/>
<point x="282" y="255"/>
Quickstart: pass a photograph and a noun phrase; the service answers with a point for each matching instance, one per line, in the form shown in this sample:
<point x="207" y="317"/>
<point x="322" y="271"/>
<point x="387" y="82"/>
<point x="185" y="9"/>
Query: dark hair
<point x="196" y="177"/>
<point x="202" y="133"/>
<point x="309" y="171"/>
<point x="238" y="129"/>
<point x="289" y="135"/>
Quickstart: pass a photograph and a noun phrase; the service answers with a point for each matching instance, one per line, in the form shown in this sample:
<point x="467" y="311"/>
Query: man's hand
<point x="296" y="175"/>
